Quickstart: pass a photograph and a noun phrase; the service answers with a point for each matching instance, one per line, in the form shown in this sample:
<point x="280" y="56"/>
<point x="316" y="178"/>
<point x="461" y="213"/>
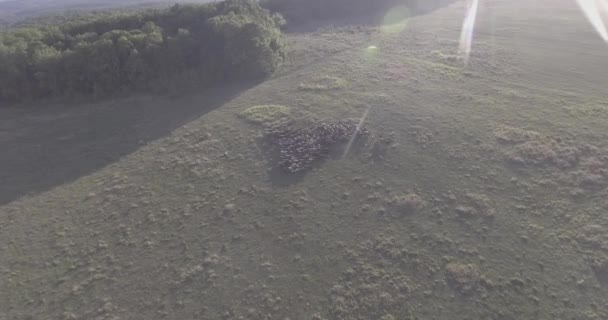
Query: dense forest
<point x="97" y="54"/>
<point x="15" y="11"/>
<point x="151" y="50"/>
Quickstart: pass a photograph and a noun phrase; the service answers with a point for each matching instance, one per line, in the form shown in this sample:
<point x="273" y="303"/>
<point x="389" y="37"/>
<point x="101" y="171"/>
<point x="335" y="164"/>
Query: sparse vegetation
<point x="584" y="165"/>
<point x="593" y="236"/>
<point x="375" y="286"/>
<point x="598" y="110"/>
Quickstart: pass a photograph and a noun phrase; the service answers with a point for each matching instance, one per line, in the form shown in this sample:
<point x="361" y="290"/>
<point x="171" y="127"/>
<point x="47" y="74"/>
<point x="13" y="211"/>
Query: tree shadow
<point x="279" y="178"/>
<point x="48" y="145"/>
<point x="416" y="8"/>
<point x="276" y="175"/>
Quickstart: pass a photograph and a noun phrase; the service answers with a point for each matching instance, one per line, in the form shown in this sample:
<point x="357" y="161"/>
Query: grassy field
<point x="481" y="193"/>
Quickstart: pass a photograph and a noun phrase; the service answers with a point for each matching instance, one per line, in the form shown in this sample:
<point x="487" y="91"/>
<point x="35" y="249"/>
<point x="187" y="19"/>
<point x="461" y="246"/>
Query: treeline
<point x="150" y="50"/>
<point x="297" y="11"/>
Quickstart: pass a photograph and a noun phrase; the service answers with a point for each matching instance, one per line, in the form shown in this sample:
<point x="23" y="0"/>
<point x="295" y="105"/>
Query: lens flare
<point x="354" y="136"/>
<point x="395" y="20"/>
<point x="466" y="35"/>
<point x="592" y="10"/>
<point x="371" y="55"/>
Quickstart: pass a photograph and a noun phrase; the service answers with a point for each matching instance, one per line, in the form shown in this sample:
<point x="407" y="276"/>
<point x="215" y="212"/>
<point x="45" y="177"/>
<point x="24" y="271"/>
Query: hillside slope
<point x="480" y="194"/>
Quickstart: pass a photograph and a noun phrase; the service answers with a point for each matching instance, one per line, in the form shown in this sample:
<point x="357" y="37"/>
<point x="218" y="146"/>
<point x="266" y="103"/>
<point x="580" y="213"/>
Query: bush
<point x="178" y="46"/>
<point x="408" y="203"/>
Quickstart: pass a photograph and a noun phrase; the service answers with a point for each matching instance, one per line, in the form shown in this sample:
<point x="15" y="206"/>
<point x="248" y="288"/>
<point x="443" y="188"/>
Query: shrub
<point x="463" y="277"/>
<point x="408" y="203"/>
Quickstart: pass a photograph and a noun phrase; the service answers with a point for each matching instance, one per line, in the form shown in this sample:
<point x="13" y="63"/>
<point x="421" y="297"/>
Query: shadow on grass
<point x="601" y="272"/>
<point x="45" y="146"/>
<point x="279" y="178"/>
<point x="421" y="7"/>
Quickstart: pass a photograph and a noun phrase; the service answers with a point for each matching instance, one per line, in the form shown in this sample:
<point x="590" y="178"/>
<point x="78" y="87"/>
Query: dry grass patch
<point x="407" y="203"/>
<point x="324" y="83"/>
<point x="574" y="163"/>
<point x="476" y="205"/>
<point x="464" y="278"/>
<point x="266" y="115"/>
<point x="511" y="135"/>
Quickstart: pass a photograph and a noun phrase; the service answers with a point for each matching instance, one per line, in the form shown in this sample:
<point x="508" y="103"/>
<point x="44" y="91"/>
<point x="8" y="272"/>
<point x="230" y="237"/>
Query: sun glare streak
<point x="604" y="6"/>
<point x="354" y="136"/>
<point x="591" y="9"/>
<point x="468" y="28"/>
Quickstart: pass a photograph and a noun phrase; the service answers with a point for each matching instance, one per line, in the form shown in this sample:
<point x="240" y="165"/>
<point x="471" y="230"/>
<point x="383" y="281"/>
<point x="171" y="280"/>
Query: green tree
<point x="105" y="54"/>
<point x="46" y="61"/>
